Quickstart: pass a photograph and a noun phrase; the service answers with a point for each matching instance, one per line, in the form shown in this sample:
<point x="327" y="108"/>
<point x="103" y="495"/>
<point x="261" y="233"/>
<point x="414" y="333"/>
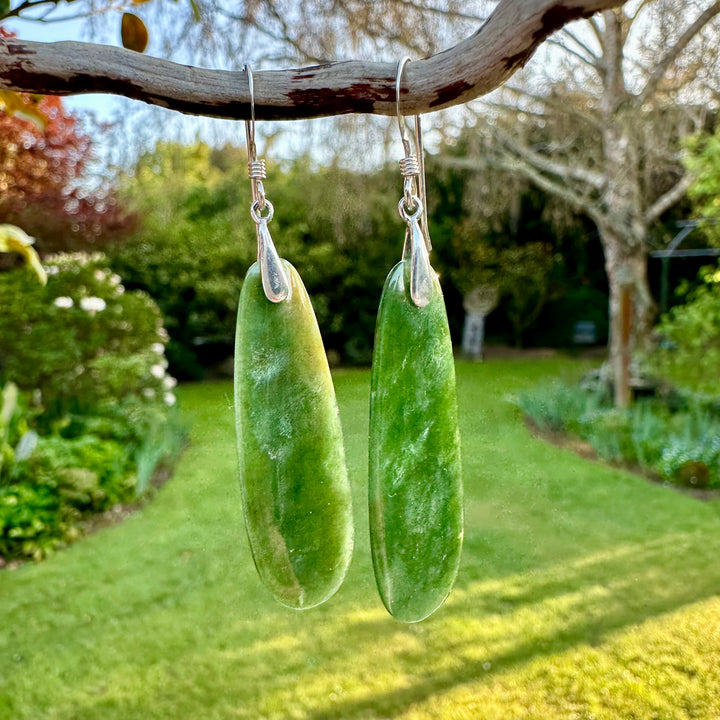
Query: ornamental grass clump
<point x="675" y="437"/>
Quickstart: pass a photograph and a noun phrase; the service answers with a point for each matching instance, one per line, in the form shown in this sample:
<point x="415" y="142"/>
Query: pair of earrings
<point x="296" y="494"/>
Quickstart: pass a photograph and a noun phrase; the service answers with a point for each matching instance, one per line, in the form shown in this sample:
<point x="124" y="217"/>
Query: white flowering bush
<point x="99" y="401"/>
<point x="82" y="340"/>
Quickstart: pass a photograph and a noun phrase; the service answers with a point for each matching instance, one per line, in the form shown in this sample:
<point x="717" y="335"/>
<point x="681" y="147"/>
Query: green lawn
<point x="584" y="592"/>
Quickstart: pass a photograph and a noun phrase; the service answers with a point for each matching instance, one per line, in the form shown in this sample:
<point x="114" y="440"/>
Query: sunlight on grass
<point x="583" y="592"/>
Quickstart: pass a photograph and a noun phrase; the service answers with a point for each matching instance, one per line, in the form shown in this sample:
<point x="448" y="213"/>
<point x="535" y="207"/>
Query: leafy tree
<point x="689" y="352"/>
<point x="42" y="187"/>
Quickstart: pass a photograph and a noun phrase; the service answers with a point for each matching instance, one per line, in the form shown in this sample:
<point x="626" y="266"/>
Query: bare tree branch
<point x="668" y="199"/>
<point x="674" y="52"/>
<point x="556" y="104"/>
<point x="475" y="66"/>
<point x="584" y="46"/>
<point x="518" y="165"/>
<point x="587" y="61"/>
<point x="594" y="180"/>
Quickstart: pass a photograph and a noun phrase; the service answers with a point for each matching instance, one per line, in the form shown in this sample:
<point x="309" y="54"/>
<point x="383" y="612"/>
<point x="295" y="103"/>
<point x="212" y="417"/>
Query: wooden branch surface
<point x="475" y="66"/>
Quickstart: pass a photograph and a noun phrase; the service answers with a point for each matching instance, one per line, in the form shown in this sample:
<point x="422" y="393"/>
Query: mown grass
<point x="584" y="592"/>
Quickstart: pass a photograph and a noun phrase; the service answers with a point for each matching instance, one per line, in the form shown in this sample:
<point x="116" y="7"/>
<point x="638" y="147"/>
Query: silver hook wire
<point x="401" y="120"/>
<point x="250" y="124"/>
<point x="256" y="168"/>
<point x="275" y="281"/>
<point x="413" y="164"/>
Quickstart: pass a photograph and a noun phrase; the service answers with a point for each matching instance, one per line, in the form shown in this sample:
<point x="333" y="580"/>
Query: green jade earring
<point x="296" y="495"/>
<point x="415" y="480"/>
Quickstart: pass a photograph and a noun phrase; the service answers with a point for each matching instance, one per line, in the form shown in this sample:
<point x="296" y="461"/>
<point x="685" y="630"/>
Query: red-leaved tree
<point x="42" y="183"/>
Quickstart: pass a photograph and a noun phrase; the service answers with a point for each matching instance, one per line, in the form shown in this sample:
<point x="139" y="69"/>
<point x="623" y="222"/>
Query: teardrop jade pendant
<point x="296" y="495"/>
<point x="416" y="516"/>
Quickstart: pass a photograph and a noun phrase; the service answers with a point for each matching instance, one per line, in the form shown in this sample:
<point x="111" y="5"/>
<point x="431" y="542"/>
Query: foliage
<point x="192" y="248"/>
<point x="702" y="159"/>
<point x="689" y="338"/>
<point x="40" y="169"/>
<point x="341" y="230"/>
<point x="49" y="486"/>
<point x="677" y="437"/>
<point x="82" y="339"/>
<point x="17" y="441"/>
<point x="197" y="240"/>
<point x="95" y="420"/>
<point x="526" y="276"/>
<point x="533" y="248"/>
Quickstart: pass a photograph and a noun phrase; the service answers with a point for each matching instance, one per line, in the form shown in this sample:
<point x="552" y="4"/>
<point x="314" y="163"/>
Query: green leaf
<point x="4" y="7"/>
<point x="196" y="9"/>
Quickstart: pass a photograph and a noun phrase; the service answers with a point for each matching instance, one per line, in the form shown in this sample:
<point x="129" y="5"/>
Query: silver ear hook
<point x="401" y="120"/>
<point x="275" y="281"/>
<point x="412" y="207"/>
<point x="412" y="165"/>
<point x="256" y="168"/>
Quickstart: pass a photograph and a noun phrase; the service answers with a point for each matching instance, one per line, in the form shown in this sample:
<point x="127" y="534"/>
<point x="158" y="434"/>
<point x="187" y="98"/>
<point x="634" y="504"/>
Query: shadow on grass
<point x="490" y="627"/>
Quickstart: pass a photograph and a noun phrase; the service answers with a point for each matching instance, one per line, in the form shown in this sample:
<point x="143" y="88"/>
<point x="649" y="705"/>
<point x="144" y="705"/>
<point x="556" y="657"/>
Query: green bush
<point x="81" y="340"/>
<point x="689" y="348"/>
<point x="97" y="414"/>
<point x="34" y="522"/>
<point x="91" y="463"/>
<point x="87" y="472"/>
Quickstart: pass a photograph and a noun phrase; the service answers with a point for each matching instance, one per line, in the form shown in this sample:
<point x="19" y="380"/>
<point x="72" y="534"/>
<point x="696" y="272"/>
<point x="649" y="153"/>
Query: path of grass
<point x="584" y="593"/>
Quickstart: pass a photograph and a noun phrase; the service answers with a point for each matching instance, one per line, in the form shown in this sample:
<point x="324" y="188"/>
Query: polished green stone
<point x="296" y="494"/>
<point x="415" y="492"/>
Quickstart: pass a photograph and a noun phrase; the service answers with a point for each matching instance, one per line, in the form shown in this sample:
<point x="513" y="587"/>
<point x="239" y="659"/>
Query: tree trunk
<point x="631" y="308"/>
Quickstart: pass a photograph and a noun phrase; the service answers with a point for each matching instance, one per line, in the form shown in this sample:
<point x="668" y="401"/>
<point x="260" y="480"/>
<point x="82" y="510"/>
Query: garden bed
<point x="585" y="449"/>
<point x="673" y="438"/>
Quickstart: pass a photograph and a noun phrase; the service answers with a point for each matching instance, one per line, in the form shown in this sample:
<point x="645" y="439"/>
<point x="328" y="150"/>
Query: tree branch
<point x="587" y="61"/>
<point x="668" y="199"/>
<point x="583" y="46"/>
<point x="504" y="43"/>
<point x="555" y="103"/>
<point x="516" y="164"/>
<point x="565" y="172"/>
<point x="674" y="52"/>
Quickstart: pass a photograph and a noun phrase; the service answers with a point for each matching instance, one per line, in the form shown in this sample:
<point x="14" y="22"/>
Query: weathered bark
<point x="473" y="67"/>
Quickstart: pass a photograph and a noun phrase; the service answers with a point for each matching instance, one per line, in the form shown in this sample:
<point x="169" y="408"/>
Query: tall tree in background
<point x="601" y="126"/>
